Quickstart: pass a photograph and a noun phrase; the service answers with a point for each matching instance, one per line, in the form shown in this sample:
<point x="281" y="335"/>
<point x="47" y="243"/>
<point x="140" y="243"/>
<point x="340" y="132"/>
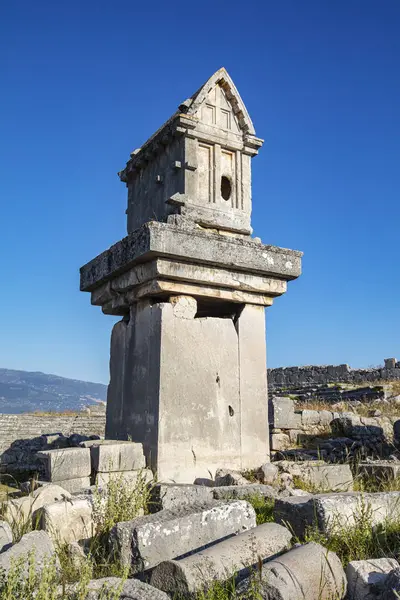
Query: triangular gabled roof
<point x="222" y="78"/>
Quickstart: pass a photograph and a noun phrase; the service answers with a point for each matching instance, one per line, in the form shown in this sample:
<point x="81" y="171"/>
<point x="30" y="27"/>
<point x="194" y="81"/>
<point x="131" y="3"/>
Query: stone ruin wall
<point x="20" y="434"/>
<point x="290" y="377"/>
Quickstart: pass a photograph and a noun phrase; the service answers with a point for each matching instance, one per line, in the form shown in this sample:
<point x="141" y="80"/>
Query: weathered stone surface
<point x="241" y="492"/>
<point x="280" y="441"/>
<point x="69" y="521"/>
<point x="74" y="485"/>
<point x="269" y="473"/>
<point x="229" y="477"/>
<point x="212" y="382"/>
<point x="126" y="477"/>
<point x="22" y="509"/>
<point x="37" y="542"/>
<point x="321" y="476"/>
<point x="335" y="512"/>
<point x="305" y="572"/>
<point x="147" y="541"/>
<point x="131" y="589"/>
<point x="310" y="418"/>
<point x="221" y="560"/>
<point x="380" y="470"/>
<point x="126" y="456"/>
<point x="185" y="307"/>
<point x="365" y="578"/>
<point x="68" y="463"/>
<point x="282" y="414"/>
<point x="169" y="495"/>
<point x="194" y="246"/>
<point x="6" y="536"/>
<point x="391" y="586"/>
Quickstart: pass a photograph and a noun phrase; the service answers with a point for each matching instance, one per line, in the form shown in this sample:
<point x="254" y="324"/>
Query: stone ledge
<point x="168" y="240"/>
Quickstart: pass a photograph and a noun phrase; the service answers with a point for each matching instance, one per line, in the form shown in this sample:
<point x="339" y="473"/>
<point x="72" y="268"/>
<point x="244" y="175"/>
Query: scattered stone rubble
<point x="198" y="534"/>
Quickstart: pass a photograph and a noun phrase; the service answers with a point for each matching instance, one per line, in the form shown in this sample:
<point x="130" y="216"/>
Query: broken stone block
<point x="65" y="464"/>
<point x="220" y="561"/>
<point x="125" y="477"/>
<point x="310" y="418"/>
<point x="119" y="456"/>
<point x="280" y="441"/>
<point x="269" y="473"/>
<point x="320" y="475"/>
<point x="38" y="542"/>
<point x="146" y="541"/>
<point x="305" y="572"/>
<point x="242" y="492"/>
<point x="169" y="495"/>
<point x="335" y="512"/>
<point x="131" y="589"/>
<point x="68" y="521"/>
<point x="22" y="509"/>
<point x="229" y="477"/>
<point x="365" y="578"/>
<point x="6" y="537"/>
<point x="391" y="586"/>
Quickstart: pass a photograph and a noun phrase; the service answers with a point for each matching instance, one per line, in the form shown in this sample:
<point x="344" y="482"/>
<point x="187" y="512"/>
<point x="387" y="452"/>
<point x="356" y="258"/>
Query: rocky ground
<point x="321" y="521"/>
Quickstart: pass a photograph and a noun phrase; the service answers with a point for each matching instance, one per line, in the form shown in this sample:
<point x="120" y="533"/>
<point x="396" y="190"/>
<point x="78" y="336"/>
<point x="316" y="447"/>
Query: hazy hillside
<point x="22" y="391"/>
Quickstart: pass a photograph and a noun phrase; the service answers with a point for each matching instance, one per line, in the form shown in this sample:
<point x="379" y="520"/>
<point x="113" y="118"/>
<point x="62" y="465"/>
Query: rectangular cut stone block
<point x="68" y="463"/>
<point x="365" y="576"/>
<point x="282" y="415"/>
<point x="322" y="476"/>
<point x="335" y="512"/>
<point x="221" y="561"/>
<point x="242" y="492"/>
<point x="146" y="541"/>
<point x="130" y="478"/>
<point x="381" y="470"/>
<point x="169" y="496"/>
<point x="69" y="521"/>
<point x="125" y="456"/>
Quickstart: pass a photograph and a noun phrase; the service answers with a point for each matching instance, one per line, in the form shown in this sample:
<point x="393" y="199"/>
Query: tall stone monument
<point x="188" y="358"/>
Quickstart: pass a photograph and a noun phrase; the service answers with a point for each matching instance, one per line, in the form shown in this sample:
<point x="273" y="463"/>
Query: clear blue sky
<point x="83" y="83"/>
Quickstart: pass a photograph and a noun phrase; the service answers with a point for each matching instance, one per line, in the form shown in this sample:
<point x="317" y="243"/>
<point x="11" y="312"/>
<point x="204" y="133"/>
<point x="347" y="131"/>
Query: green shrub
<point x="264" y="508"/>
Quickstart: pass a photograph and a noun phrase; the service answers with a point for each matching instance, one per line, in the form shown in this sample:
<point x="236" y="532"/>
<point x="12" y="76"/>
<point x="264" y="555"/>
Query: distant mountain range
<point x="23" y="391"/>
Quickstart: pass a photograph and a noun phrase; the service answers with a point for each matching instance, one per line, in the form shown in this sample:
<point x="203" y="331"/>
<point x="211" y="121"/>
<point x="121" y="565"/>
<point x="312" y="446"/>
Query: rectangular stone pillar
<point x="191" y="390"/>
<point x="253" y="387"/>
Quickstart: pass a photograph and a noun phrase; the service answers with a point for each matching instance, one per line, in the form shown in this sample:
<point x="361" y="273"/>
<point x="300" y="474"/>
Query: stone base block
<point x="146" y="541"/>
<point x="221" y="561"/>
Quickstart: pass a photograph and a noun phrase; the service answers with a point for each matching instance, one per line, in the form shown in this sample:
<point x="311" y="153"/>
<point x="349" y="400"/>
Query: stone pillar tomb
<point x="188" y="358"/>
